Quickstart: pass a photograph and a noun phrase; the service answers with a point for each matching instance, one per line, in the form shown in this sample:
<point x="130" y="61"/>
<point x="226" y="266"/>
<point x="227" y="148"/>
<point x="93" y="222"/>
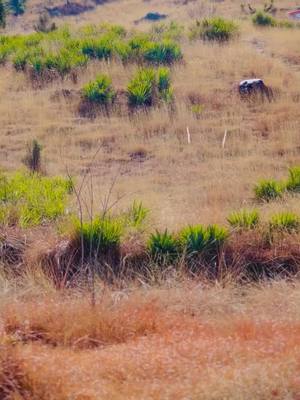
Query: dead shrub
<point x="12" y="249"/>
<point x="13" y="384"/>
<point x="253" y="256"/>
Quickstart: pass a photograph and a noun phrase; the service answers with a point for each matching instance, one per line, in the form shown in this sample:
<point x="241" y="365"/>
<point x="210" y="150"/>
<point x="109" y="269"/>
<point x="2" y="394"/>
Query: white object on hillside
<point x="188" y="135"/>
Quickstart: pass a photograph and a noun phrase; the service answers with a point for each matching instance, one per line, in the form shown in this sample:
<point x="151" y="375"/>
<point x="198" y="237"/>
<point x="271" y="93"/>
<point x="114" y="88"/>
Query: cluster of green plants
<point x="271" y="189"/>
<point x="286" y="221"/>
<point x="62" y="50"/>
<point x="98" y="236"/>
<point x="190" y="242"/>
<point x="103" y="233"/>
<point x="244" y="219"/>
<point x="215" y="28"/>
<point x="150" y="85"/>
<point x="147" y="87"/>
<point x="100" y="90"/>
<point x="31" y="199"/>
<point x="262" y="18"/>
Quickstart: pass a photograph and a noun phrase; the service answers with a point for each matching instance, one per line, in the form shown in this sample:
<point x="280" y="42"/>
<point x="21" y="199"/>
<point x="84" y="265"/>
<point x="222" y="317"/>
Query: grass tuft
<point x="285" y="221"/>
<point x="268" y="190"/>
<point x="293" y="181"/>
<point x="141" y="88"/>
<point x="216" y="28"/>
<point x="99" y="236"/>
<point x="163" y="247"/>
<point x="244" y="219"/>
<point x="100" y="90"/>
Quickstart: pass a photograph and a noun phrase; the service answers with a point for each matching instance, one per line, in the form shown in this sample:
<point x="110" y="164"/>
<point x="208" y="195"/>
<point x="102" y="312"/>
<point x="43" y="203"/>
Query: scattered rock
<point x="152" y="17"/>
<point x="69" y="9"/>
<point x="253" y="87"/>
<point x="138" y="154"/>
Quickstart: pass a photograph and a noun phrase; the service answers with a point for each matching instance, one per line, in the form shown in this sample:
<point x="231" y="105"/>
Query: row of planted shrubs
<point x="271" y="189"/>
<point x="147" y="87"/>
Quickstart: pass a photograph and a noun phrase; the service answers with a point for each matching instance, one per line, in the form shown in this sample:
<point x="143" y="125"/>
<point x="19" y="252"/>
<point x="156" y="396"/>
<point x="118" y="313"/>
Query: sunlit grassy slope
<point x="148" y="153"/>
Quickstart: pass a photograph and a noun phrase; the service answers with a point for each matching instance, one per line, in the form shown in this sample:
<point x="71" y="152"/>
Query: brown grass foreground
<point x="177" y="341"/>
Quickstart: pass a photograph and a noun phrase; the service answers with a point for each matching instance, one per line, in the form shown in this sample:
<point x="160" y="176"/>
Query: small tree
<point x="33" y="157"/>
<point x="2" y="15"/>
<point x="44" y="24"/>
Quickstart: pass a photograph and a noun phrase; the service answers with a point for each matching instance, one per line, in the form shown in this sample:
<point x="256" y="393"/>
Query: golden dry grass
<point x="181" y="341"/>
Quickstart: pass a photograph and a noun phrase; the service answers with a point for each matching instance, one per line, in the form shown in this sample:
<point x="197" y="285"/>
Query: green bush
<point x="141" y="89"/>
<point x="285" y="221"/>
<point x="164" y="52"/>
<point x="100" y="91"/>
<point x="99" y="236"/>
<point x="198" y="239"/>
<point x="30" y="199"/>
<point x="164" y="84"/>
<point x="163" y="247"/>
<point x="245" y="219"/>
<point x="97" y="48"/>
<point x="268" y="190"/>
<point x="149" y="85"/>
<point x="293" y="182"/>
<point x="216" y="237"/>
<point x="64" y="61"/>
<point x="263" y="19"/>
<point x="139" y="41"/>
<point x="215" y="28"/>
<point x="20" y="60"/>
<point x="193" y="239"/>
<point x="122" y="50"/>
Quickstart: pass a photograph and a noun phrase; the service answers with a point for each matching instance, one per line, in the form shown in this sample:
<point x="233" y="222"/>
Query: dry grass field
<point x="176" y="341"/>
<point x="169" y="333"/>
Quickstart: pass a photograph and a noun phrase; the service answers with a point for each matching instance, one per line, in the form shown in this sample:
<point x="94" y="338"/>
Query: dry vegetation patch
<point x="167" y="342"/>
